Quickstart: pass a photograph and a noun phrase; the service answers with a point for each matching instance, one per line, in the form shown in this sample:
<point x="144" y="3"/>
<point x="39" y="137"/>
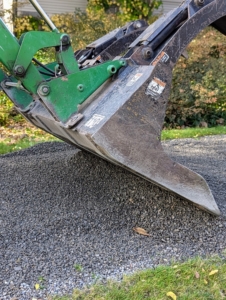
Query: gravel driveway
<point x="67" y="217"/>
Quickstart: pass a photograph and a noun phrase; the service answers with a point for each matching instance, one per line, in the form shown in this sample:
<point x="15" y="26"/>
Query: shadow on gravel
<point x="61" y="208"/>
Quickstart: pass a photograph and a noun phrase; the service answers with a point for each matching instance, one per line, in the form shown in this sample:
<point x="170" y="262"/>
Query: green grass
<point x="18" y="138"/>
<point x="8" y="146"/>
<point x="78" y="268"/>
<point x="21" y="144"/>
<point x="192" y="132"/>
<point x="190" y="280"/>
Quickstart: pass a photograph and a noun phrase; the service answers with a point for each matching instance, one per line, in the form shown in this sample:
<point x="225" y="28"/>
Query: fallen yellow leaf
<point x="141" y="231"/>
<point x="205" y="281"/>
<point x="37" y="286"/>
<point x="213" y="272"/>
<point x="171" y="295"/>
<point x="197" y="275"/>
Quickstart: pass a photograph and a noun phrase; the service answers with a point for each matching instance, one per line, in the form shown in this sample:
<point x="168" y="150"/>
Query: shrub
<point x="27" y="23"/>
<point x="126" y="10"/>
<point x="85" y="27"/>
<point x="5" y="107"/>
<point x="198" y="90"/>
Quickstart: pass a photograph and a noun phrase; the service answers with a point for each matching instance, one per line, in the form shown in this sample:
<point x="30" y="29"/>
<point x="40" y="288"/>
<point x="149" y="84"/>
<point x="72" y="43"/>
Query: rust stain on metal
<point x="160" y="82"/>
<point x="163" y="57"/>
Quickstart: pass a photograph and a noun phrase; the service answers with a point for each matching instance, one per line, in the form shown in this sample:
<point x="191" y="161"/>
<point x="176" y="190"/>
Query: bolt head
<point x="123" y="62"/>
<point x="80" y="87"/>
<point x="44" y="90"/>
<point x="65" y="39"/>
<point x="147" y="52"/>
<point x="137" y="25"/>
<point x="199" y="2"/>
<point x="19" y="70"/>
<point x="111" y="69"/>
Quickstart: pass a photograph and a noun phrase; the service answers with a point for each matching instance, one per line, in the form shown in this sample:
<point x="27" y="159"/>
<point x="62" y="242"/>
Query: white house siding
<point x="54" y="6"/>
<point x="6" y="5"/>
<point x="167" y="6"/>
<point x="58" y="6"/>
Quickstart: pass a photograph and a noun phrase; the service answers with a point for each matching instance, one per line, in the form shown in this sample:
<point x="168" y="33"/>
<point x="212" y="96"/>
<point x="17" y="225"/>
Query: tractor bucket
<point x="123" y="124"/>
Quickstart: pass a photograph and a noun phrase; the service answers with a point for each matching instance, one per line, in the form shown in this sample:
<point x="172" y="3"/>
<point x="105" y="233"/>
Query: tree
<point x="127" y="9"/>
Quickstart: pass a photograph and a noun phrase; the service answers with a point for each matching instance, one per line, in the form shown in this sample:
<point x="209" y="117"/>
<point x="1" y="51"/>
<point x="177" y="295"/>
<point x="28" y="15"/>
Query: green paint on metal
<point x="33" y="41"/>
<point x="9" y="47"/>
<point x="2" y="76"/>
<point x="67" y="92"/>
<point x="67" y="61"/>
<point x="20" y="98"/>
<point x="61" y="95"/>
<point x="52" y="66"/>
<point x="8" y="53"/>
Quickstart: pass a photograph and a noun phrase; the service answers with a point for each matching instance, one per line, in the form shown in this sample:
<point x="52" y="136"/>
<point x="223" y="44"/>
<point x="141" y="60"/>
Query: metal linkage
<point x="44" y="15"/>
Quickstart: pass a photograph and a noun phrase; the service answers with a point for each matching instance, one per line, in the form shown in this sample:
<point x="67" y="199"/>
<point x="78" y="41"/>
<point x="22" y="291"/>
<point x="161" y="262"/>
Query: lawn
<point x="20" y="136"/>
<point x="196" y="279"/>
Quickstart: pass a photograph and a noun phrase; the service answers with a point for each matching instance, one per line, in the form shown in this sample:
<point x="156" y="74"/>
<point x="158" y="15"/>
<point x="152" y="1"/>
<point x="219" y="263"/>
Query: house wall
<point x="168" y="5"/>
<point x="59" y="6"/>
<point x="7" y="5"/>
<point x="54" y="6"/>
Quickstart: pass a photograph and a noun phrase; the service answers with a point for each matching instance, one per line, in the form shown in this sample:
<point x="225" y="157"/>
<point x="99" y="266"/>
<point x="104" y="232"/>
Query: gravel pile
<point x="67" y="217"/>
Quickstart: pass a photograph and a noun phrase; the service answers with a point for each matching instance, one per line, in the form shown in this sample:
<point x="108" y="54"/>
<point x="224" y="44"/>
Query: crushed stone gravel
<point x="67" y="217"/>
